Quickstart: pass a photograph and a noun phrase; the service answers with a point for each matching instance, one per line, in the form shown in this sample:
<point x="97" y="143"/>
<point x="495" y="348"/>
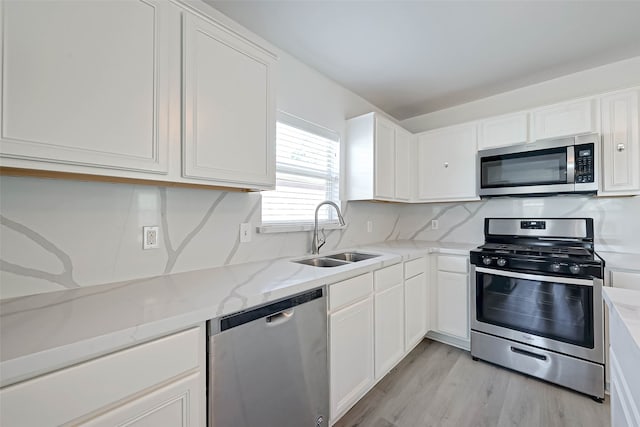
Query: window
<point x="307" y="172"/>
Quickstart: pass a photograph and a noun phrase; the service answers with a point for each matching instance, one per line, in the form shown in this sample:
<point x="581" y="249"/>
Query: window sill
<point x="294" y="228"/>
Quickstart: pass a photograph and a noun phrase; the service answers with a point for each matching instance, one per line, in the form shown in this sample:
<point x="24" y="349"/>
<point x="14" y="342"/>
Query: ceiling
<point x="414" y="57"/>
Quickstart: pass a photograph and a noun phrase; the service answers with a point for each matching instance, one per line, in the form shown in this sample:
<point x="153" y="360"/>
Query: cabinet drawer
<point x="625" y="279"/>
<point x="455" y="264"/>
<point x="387" y="277"/>
<point x="70" y="393"/>
<point x="350" y="290"/>
<point x="414" y="267"/>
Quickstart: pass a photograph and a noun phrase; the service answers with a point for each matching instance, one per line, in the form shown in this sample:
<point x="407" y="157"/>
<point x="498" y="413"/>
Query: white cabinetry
<point x="625" y="279"/>
<point x="389" y="318"/>
<point x="504" y="130"/>
<point x="160" y="383"/>
<point x="378" y="159"/>
<point x="451" y="300"/>
<point x="350" y="342"/>
<point x="85" y="84"/>
<point x="100" y="87"/>
<point x="416" y="302"/>
<point x="565" y="119"/>
<point x="447" y="164"/>
<point x="229" y="105"/>
<point x="620" y="144"/>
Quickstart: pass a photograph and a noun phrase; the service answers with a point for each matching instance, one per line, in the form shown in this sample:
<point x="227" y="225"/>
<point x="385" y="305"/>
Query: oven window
<point x="540" y="167"/>
<point x="553" y="310"/>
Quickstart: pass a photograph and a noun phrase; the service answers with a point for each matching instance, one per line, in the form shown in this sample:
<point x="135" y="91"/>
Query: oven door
<point x="541" y="168"/>
<point x="554" y="313"/>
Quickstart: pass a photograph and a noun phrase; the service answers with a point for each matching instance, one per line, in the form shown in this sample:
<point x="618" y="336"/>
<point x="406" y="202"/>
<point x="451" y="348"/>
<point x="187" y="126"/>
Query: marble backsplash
<point x="63" y="234"/>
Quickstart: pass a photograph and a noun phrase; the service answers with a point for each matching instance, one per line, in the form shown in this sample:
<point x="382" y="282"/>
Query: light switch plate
<point x="369" y="226"/>
<point x="245" y="232"/>
<point x="434" y="224"/>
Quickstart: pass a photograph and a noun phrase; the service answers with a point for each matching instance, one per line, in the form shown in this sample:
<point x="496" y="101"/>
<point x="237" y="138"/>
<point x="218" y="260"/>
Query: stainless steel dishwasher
<point x="268" y="365"/>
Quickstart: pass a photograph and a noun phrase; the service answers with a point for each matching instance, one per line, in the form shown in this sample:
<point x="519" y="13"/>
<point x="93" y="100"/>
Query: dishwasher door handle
<point x="279" y="318"/>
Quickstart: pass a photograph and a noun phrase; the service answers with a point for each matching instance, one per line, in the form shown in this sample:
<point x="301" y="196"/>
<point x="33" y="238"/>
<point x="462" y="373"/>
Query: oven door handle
<point x="541" y="278"/>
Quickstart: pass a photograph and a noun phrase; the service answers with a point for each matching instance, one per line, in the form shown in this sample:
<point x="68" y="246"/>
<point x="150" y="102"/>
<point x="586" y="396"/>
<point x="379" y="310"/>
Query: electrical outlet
<point x="245" y="232"/>
<point x="150" y="237"/>
<point x="434" y="224"/>
<point x="369" y="226"/>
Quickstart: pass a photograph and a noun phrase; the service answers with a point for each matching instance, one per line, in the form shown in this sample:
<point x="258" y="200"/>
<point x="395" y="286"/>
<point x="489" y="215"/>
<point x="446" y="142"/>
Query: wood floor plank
<point x="439" y="385"/>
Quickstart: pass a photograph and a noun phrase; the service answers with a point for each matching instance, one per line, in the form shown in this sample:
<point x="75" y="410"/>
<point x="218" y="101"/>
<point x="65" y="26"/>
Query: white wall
<point x="617" y="75"/>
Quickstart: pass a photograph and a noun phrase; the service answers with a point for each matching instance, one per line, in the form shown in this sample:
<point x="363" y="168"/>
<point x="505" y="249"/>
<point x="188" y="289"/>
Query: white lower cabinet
<point x="159" y="383"/>
<point x="174" y="405"/>
<point x="416" y="303"/>
<point x="350" y="344"/>
<point x="389" y="318"/>
<point x="451" y="299"/>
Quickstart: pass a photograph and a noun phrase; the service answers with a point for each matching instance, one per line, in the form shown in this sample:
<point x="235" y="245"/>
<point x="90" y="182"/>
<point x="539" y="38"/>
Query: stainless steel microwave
<point x="566" y="165"/>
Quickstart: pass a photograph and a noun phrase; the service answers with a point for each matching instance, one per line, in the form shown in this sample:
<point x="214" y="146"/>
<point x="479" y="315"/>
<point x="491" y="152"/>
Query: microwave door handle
<point x="571" y="165"/>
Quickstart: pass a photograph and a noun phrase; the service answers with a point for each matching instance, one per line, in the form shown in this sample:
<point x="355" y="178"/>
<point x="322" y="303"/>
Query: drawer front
<point x="70" y="393"/>
<point x="349" y="291"/>
<point x="387" y="277"/>
<point x="414" y="267"/>
<point x="455" y="264"/>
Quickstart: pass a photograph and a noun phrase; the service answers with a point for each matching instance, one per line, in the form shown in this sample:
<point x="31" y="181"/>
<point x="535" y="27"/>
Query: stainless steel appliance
<point x="536" y="292"/>
<point x="566" y="165"/>
<point x="268" y="365"/>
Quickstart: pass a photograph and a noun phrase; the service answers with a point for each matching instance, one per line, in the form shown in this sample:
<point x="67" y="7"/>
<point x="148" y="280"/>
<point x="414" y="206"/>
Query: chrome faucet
<point x="316" y="244"/>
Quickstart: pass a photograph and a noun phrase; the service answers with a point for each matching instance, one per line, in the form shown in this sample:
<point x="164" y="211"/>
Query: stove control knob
<point x="574" y="268"/>
<point x="555" y="267"/>
<point x="486" y="260"/>
<point x="502" y="262"/>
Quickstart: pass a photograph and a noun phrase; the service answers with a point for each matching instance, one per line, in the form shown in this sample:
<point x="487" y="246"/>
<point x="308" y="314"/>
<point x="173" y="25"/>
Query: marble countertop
<point x="43" y="332"/>
<point x="626" y="304"/>
<point x="620" y="260"/>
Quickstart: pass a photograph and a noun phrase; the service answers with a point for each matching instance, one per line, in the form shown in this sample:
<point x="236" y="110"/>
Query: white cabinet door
<point x="447" y="163"/>
<point x="565" y="119"/>
<point x="85" y="84"/>
<point x="415" y="306"/>
<point x="350" y="355"/>
<point x="403" y="165"/>
<point x="174" y="405"/>
<point x="452" y="304"/>
<point x="620" y="143"/>
<point x="389" y="329"/>
<point x="384" y="170"/>
<point x="228" y="106"/>
<point x="504" y="130"/>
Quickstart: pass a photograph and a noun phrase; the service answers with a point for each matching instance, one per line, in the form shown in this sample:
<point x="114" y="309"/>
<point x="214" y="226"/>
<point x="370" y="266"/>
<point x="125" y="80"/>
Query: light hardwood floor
<point x="440" y="385"/>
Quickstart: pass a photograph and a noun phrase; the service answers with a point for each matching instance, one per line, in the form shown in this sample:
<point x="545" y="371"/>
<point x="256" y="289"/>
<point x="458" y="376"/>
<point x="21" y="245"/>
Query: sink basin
<point x="322" y="262"/>
<point x="336" y="260"/>
<point x="352" y="256"/>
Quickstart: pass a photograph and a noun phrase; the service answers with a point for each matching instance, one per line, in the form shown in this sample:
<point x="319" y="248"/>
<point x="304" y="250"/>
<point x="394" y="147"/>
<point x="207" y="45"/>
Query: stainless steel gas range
<point x="536" y="293"/>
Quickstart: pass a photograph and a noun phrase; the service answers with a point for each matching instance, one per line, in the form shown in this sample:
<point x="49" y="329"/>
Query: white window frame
<point x="307" y="224"/>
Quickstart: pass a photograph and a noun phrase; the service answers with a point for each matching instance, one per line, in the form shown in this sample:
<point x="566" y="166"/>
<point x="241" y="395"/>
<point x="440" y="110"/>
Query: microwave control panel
<point x="585" y="163"/>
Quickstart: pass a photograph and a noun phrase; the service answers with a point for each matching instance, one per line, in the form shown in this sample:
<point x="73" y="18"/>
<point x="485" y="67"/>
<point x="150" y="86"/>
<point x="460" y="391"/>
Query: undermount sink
<point x="336" y="260"/>
<point x="352" y="256"/>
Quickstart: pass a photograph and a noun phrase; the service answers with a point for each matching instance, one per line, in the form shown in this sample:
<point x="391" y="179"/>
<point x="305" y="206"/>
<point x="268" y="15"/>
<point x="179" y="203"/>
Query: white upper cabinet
<point x="229" y="106"/>
<point x="404" y="165"/>
<point x="378" y="159"/>
<point x="504" y="130"/>
<point x="564" y="119"/>
<point x="85" y="84"/>
<point x="447" y="164"/>
<point x="620" y="144"/>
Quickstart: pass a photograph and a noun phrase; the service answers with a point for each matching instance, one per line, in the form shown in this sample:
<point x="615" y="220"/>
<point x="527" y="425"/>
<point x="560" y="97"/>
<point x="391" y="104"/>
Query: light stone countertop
<point x="626" y="305"/>
<point x="617" y="260"/>
<point x="44" y="332"/>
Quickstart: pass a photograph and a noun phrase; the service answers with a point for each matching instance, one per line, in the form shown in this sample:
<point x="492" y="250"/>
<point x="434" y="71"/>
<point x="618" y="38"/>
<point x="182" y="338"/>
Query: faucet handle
<point x="322" y="241"/>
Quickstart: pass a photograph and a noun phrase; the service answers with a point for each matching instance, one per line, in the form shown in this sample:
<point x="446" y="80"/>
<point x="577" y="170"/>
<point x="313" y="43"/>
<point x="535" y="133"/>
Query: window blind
<point x="307" y="172"/>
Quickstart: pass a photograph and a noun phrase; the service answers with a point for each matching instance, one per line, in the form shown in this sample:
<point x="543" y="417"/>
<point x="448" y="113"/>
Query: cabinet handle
<point x="620" y="147"/>
<point x="446" y="164"/>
